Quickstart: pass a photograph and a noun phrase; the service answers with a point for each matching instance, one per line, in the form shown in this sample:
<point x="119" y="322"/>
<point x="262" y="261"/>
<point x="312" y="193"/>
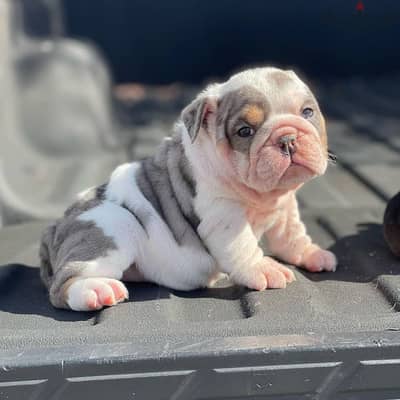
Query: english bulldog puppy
<point x="198" y="207"/>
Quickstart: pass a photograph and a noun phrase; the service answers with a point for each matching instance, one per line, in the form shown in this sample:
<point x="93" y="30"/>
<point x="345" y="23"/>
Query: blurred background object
<point x="391" y="222"/>
<point x="58" y="132"/>
<point x="189" y="41"/>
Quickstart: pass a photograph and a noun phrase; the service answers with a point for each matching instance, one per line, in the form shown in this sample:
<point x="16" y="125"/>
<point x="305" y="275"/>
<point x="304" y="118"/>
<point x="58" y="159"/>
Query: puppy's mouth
<point x="296" y="171"/>
<point x="292" y="154"/>
<point x="299" y="147"/>
<point x="288" y="151"/>
<point x="299" y="170"/>
<point x="282" y="164"/>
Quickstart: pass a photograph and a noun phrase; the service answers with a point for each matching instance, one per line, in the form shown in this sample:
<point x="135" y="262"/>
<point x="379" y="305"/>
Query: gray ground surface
<point x="343" y="211"/>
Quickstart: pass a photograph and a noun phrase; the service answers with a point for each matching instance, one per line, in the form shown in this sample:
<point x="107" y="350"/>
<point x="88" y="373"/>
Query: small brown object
<point x="391" y="224"/>
<point x="254" y="115"/>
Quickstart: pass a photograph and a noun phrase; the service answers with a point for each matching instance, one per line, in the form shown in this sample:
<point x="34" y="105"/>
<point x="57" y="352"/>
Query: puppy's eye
<point x="245" y="131"/>
<point x="307" y="113"/>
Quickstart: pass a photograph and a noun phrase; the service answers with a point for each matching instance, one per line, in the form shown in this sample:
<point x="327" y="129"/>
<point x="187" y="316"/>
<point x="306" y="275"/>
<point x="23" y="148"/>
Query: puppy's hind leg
<point x="99" y="245"/>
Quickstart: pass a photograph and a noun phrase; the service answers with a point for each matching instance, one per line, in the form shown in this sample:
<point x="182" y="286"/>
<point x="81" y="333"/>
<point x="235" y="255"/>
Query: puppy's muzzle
<point x="287" y="131"/>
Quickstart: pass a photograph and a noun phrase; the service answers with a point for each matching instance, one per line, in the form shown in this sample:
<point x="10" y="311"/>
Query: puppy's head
<point x="265" y="127"/>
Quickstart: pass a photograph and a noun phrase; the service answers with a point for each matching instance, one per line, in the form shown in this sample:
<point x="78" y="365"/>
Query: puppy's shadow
<point x="22" y="292"/>
<point x="362" y="257"/>
<point x="223" y="290"/>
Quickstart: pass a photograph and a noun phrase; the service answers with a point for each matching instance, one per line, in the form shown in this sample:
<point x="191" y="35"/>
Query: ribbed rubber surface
<point x="327" y="336"/>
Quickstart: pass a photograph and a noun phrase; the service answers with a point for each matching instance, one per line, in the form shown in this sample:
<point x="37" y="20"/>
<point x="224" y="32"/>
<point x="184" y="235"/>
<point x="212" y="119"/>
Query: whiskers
<point x="332" y="158"/>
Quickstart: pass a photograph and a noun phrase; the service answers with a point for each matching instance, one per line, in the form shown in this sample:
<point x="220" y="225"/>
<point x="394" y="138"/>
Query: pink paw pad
<point x="94" y="293"/>
<point x="119" y="289"/>
<point x="91" y="301"/>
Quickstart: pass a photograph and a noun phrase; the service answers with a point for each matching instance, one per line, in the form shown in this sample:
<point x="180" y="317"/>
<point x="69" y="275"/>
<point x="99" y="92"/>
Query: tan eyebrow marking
<point x="254" y="114"/>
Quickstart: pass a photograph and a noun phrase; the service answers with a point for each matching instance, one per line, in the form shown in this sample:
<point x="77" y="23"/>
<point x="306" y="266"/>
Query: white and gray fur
<point x="168" y="219"/>
<point x="164" y="214"/>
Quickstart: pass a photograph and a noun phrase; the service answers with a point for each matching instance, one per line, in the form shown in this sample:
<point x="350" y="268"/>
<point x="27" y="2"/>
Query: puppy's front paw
<point x="88" y="294"/>
<point x="268" y="273"/>
<point x="317" y="260"/>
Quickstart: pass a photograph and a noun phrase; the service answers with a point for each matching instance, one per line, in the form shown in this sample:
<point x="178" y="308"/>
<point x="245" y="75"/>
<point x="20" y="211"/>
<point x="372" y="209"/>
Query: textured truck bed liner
<point x="330" y="335"/>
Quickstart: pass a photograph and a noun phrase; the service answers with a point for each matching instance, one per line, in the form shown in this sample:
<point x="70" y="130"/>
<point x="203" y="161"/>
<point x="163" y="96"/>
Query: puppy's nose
<point x="287" y="144"/>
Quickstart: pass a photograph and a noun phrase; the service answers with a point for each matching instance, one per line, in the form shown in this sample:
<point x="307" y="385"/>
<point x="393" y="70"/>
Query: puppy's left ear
<point x="201" y="113"/>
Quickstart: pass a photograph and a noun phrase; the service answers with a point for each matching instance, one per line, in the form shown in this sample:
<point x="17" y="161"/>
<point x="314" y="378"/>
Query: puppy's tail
<point x="46" y="270"/>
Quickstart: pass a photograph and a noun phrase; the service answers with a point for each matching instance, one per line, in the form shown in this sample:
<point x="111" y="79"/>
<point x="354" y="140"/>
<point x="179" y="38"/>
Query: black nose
<point x="287" y="144"/>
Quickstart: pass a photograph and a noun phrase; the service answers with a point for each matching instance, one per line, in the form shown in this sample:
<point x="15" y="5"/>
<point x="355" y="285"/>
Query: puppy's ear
<point x="199" y="114"/>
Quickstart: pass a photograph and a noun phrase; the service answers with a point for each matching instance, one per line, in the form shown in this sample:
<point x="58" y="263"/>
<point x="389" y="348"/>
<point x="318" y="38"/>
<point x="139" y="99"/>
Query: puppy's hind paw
<point x="317" y="260"/>
<point x="88" y="294"/>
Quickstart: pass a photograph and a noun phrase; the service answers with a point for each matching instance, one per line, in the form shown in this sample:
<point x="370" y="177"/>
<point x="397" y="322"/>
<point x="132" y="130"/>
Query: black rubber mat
<point x="315" y="334"/>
